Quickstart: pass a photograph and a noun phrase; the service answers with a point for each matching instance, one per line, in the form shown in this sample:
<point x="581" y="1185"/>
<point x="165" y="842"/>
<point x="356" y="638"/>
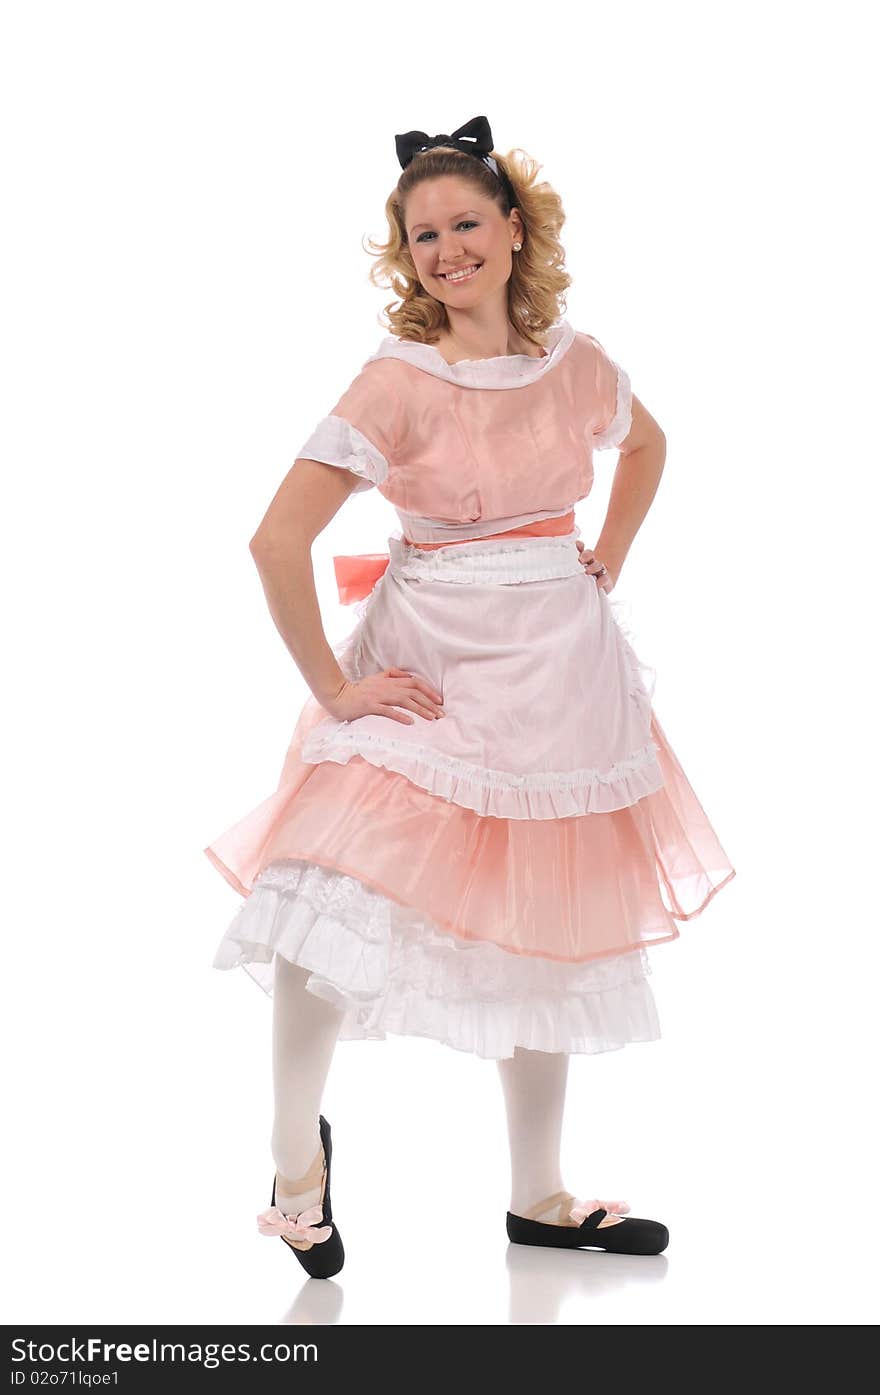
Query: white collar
<point x="502" y="371"/>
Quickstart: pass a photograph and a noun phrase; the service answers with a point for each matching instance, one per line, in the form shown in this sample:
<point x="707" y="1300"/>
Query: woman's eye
<point x="465" y="223"/>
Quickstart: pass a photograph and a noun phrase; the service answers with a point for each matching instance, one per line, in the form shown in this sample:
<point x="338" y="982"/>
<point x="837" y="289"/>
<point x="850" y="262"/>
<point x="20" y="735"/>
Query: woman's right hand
<point x="381" y="693"/>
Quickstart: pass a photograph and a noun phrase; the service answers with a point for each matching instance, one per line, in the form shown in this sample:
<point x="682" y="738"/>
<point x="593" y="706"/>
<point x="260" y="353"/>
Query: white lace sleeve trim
<point x="619" y="427"/>
<point x="336" y="442"/>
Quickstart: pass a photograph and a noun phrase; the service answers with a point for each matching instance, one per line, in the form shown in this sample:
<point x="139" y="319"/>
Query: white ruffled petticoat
<point x="392" y="970"/>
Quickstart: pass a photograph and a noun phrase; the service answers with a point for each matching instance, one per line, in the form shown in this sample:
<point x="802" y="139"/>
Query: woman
<point x="480" y="825"/>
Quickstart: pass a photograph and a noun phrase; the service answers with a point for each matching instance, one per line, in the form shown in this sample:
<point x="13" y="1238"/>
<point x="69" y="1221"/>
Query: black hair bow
<point x="475" y="137"/>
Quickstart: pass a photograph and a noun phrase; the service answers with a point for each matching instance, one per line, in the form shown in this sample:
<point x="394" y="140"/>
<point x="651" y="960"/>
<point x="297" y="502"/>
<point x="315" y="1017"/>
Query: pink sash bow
<point x="357" y="575"/>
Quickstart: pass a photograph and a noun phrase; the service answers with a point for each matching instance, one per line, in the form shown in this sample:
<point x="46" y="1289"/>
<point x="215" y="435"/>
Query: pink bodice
<point x="478" y="448"/>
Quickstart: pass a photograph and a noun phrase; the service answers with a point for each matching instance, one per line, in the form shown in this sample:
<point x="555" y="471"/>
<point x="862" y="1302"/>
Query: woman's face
<point x="452" y="226"/>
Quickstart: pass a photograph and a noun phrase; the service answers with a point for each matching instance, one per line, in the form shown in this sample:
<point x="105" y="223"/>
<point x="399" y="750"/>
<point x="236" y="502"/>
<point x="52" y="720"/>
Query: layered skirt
<point x="494" y="878"/>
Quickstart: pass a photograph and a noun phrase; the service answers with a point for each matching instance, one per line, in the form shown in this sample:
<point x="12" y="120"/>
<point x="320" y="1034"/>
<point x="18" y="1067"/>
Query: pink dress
<point x="495" y="878"/>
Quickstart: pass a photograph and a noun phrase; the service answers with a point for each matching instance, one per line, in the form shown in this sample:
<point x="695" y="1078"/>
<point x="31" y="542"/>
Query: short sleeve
<point x="613" y="418"/>
<point x="362" y="430"/>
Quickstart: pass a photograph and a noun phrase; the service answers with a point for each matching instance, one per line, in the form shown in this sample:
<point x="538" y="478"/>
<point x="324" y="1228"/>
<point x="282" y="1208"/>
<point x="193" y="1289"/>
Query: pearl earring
<point x="517" y="246"/>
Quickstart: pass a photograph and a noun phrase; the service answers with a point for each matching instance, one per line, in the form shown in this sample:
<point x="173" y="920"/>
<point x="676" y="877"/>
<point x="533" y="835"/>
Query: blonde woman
<point x="480" y="827"/>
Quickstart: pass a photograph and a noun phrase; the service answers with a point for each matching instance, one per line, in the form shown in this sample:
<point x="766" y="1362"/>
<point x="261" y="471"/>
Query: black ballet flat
<point x="579" y="1226"/>
<point x="312" y="1234"/>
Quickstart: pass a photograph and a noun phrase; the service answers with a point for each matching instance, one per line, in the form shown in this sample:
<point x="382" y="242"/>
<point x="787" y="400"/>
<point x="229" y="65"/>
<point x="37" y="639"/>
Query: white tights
<point x="534" y="1095"/>
<point x="305" y="1030"/>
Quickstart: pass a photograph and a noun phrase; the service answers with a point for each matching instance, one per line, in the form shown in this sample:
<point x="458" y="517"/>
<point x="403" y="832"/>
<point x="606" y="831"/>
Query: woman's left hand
<point x="606" y="576"/>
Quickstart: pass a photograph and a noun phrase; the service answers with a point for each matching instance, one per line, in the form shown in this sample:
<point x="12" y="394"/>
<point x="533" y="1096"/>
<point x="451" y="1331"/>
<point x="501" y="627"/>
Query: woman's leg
<point x="534" y="1095"/>
<point x="305" y="1029"/>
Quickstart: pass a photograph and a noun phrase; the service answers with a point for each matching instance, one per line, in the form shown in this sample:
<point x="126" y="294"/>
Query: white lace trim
<point x="488" y="562"/>
<point x="391" y="969"/>
<point x="336" y="441"/>
<point x="345" y="742"/>
<point x="618" y="428"/>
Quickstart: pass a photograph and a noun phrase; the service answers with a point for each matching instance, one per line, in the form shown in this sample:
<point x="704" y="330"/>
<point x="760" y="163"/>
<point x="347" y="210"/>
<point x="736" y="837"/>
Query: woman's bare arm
<point x="309" y="496"/>
<point x="642" y="457"/>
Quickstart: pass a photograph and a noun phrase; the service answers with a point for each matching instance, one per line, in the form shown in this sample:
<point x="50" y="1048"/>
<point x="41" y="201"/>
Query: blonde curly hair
<point x="538" y="281"/>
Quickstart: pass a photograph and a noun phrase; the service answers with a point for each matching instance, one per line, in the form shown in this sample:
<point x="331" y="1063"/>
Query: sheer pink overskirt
<point x="569" y="889"/>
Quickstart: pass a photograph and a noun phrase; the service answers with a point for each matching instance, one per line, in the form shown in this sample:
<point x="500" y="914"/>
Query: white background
<point x="188" y="187"/>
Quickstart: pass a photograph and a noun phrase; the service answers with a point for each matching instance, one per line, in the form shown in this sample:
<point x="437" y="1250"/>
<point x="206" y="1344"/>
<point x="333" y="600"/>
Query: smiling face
<point x="452" y="226"/>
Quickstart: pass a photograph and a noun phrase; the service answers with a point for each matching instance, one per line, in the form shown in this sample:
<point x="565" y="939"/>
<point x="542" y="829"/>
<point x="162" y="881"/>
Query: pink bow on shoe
<point x="582" y="1209"/>
<point x="301" y="1227"/>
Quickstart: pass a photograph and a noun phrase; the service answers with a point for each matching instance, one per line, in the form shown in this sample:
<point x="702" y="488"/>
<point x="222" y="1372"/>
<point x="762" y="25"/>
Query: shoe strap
<point x="564" y="1200"/>
<point x="303" y="1184"/>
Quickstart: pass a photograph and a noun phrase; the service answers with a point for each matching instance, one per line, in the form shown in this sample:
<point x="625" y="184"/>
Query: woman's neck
<point x="454" y="350"/>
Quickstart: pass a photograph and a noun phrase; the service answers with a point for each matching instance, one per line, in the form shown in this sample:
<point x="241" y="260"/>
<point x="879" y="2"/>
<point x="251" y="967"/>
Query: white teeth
<point x="461" y="275"/>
